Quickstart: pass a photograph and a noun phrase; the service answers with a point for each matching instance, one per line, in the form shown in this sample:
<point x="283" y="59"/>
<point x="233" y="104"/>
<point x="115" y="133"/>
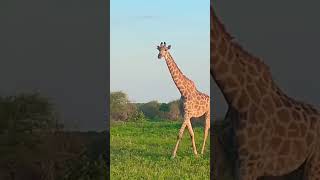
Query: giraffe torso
<point x="196" y="103"/>
<point x="279" y="138"/>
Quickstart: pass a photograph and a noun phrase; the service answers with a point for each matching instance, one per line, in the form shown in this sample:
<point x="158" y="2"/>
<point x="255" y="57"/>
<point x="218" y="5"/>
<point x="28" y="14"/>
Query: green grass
<point x="142" y="150"/>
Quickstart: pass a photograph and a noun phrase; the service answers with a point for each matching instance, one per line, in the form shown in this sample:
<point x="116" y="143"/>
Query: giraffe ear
<point x="158" y="47"/>
<point x="169" y="46"/>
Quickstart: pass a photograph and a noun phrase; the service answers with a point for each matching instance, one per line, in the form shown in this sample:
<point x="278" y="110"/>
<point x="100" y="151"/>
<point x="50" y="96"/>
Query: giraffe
<point x="274" y="134"/>
<point x="195" y="103"/>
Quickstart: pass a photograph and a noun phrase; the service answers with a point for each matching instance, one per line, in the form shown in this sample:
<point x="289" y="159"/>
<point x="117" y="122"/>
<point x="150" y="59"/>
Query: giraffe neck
<point x="184" y="85"/>
<point x="234" y="69"/>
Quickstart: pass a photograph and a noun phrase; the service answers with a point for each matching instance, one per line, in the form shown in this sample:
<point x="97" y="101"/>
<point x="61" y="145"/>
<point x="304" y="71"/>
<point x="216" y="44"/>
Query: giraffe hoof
<point x="172" y="157"/>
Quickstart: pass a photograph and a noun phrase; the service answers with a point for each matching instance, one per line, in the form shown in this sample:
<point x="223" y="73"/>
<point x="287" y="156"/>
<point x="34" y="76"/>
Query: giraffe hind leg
<point x="206" y="130"/>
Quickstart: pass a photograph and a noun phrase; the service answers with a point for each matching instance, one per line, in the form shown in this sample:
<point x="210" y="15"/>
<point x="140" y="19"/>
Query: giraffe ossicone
<point x="195" y="103"/>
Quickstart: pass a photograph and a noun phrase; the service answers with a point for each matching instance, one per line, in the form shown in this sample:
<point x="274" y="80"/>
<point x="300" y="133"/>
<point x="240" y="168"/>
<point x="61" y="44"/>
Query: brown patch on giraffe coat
<point x="223" y="46"/>
<point x="231" y="82"/>
<point x="260" y="116"/>
<point x="266" y="76"/>
<point x="293" y="130"/>
<point x="262" y="87"/>
<point x="313" y="122"/>
<point x="249" y="79"/>
<point x="276" y="100"/>
<point x="309" y="139"/>
<point x="268" y="105"/>
<point x="285" y="148"/>
<point x="241" y="79"/>
<point x="232" y="93"/>
<point x="281" y="162"/>
<point x="222" y="68"/>
<point x="241" y="138"/>
<point x="280" y="130"/>
<point x="230" y="54"/>
<point x="214" y="57"/>
<point x="283" y="115"/>
<point x="243" y="115"/>
<point x="253" y="145"/>
<point x="253" y="131"/>
<point x="254" y="93"/>
<point x="263" y="137"/>
<point x="252" y="71"/>
<point x="242" y="124"/>
<point x="244" y="152"/>
<point x="235" y="69"/>
<point x="298" y="148"/>
<point x="214" y="34"/>
<point x="243" y="101"/>
<point x="268" y="124"/>
<point x="251" y="115"/>
<point x="254" y="157"/>
<point x="303" y="130"/>
<point x="270" y="165"/>
<point x="275" y="143"/>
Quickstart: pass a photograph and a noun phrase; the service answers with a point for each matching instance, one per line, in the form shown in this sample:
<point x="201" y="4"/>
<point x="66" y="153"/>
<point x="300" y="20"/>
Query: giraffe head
<point x="163" y="50"/>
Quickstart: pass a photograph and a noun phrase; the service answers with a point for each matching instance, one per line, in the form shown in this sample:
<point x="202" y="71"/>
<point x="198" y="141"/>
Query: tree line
<point x="122" y="109"/>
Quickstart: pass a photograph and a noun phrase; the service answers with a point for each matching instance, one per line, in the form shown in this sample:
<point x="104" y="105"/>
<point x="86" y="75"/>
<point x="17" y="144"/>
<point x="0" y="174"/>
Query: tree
<point x="118" y="105"/>
<point x="164" y="107"/>
<point x="121" y="108"/>
<point x="175" y="112"/>
<point x="151" y="109"/>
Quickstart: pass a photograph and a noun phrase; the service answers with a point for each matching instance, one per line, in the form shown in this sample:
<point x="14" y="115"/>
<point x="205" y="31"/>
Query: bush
<point x="175" y="110"/>
<point x="151" y="109"/>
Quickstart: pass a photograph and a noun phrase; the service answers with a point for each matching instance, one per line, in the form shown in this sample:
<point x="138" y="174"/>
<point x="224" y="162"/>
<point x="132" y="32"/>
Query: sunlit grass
<point x="142" y="150"/>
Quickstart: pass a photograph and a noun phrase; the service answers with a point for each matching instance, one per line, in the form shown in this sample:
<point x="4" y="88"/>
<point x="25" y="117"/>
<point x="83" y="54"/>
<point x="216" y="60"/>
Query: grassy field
<point x="142" y="150"/>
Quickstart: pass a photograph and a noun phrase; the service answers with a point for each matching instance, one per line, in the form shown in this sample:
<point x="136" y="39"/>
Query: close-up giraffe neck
<point x="178" y="77"/>
<point x="232" y="67"/>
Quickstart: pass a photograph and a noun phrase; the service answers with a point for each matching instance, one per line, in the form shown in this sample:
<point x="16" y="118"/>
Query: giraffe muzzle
<point x="159" y="56"/>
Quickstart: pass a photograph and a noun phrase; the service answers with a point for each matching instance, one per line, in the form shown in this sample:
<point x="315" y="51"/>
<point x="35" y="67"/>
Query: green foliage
<point x="151" y="109"/>
<point x="143" y="150"/>
<point x="121" y="109"/>
<point x="164" y="107"/>
<point x="139" y="117"/>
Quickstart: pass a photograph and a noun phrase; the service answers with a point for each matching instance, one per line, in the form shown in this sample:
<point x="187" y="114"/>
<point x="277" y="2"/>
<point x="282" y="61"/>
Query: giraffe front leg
<point x="184" y="124"/>
<point x="206" y="131"/>
<point x="192" y="138"/>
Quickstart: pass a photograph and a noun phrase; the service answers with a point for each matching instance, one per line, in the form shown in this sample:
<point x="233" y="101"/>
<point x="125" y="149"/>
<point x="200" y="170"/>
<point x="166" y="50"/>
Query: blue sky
<point x="137" y="27"/>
